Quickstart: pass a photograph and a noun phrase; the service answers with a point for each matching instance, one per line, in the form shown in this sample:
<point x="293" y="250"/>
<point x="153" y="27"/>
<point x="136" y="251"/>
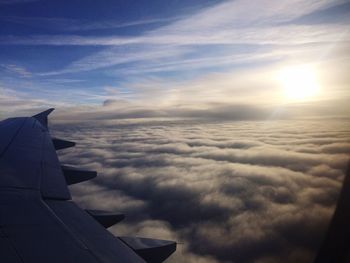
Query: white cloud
<point x="264" y="201"/>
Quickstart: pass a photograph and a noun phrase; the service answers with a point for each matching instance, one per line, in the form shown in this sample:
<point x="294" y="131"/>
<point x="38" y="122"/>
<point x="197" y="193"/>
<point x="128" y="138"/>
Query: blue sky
<point x="67" y="53"/>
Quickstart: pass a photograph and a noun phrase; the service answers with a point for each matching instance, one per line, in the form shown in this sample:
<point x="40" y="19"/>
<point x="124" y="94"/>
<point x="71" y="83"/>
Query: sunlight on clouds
<point x="276" y="85"/>
<point x="299" y="83"/>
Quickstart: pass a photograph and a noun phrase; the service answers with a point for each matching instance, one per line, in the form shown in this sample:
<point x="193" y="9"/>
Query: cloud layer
<point x="244" y="191"/>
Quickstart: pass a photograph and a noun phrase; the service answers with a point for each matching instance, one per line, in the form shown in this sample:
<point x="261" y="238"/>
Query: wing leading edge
<point x="38" y="220"/>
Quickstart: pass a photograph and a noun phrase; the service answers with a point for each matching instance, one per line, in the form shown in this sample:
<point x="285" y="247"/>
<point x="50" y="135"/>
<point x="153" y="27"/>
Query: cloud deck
<point x="246" y="191"/>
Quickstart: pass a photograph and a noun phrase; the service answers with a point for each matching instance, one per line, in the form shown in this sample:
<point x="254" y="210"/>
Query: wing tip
<point x="44" y="113"/>
<point x="42" y="116"/>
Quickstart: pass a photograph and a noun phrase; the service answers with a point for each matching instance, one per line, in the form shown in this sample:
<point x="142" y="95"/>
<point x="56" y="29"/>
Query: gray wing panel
<point x="35" y="232"/>
<point x="102" y="243"/>
<point x="20" y="161"/>
<point x="29" y="160"/>
<point x="8" y="130"/>
<point x="8" y="252"/>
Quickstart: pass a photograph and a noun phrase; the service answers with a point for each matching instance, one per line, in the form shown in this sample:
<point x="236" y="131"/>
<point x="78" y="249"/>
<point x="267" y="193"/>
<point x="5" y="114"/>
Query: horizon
<point x="223" y="125"/>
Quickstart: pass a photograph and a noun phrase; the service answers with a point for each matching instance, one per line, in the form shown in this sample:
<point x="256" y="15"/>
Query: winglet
<point x="42" y="116"/>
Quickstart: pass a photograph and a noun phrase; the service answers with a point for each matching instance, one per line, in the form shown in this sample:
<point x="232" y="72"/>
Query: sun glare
<point x="299" y="83"/>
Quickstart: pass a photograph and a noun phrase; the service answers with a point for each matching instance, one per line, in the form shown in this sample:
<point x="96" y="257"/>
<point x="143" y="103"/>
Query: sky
<point x="174" y="54"/>
<point x="223" y="125"/>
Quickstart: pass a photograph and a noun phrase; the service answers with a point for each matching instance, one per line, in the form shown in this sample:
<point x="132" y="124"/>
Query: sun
<point x="299" y="83"/>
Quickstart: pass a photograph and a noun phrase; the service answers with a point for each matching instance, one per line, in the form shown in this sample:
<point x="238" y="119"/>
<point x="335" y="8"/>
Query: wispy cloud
<point x="279" y="34"/>
<point x="70" y="25"/>
<point x="10" y="2"/>
<point x="123" y="55"/>
<point x="18" y="70"/>
<point x="207" y="51"/>
<point x="231" y="18"/>
<point x="227" y="24"/>
<point x="17" y="103"/>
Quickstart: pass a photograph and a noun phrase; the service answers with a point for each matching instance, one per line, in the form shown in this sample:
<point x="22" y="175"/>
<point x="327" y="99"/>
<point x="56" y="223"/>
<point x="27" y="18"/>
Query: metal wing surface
<point x="38" y="220"/>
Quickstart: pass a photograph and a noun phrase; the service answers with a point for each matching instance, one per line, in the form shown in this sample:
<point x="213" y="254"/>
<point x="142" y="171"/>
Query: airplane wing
<point x="336" y="245"/>
<point x="38" y="220"/>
